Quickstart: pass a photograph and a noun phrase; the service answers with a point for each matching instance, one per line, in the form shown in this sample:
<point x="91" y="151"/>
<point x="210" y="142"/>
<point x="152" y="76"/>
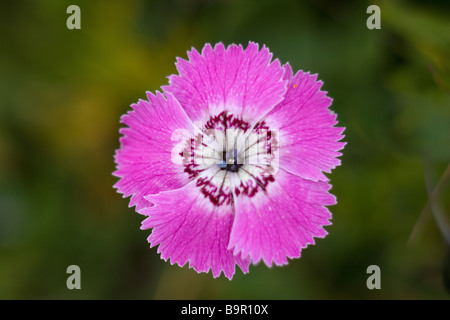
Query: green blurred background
<point x="63" y="91"/>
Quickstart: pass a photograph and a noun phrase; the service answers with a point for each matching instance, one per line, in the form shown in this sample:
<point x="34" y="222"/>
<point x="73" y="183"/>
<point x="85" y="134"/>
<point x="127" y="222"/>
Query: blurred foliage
<point x="62" y="93"/>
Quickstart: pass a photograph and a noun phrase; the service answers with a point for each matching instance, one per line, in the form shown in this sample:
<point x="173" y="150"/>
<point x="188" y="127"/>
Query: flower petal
<point x="150" y="143"/>
<point x="188" y="227"/>
<point x="242" y="82"/>
<point x="308" y="139"/>
<point x="276" y="224"/>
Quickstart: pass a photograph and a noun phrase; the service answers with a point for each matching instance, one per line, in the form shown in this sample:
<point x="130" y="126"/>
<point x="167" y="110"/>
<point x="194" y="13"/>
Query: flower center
<point x="230" y="164"/>
<point x="228" y="158"/>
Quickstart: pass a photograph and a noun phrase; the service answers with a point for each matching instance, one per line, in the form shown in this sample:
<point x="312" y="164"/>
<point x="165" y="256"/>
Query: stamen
<point x="230" y="164"/>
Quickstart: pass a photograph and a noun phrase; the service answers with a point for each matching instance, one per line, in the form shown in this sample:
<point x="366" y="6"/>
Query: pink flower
<point x="228" y="162"/>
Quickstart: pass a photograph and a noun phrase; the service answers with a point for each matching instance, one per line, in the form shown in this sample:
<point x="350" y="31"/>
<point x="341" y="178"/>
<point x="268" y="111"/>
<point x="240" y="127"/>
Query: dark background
<point x="63" y="91"/>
